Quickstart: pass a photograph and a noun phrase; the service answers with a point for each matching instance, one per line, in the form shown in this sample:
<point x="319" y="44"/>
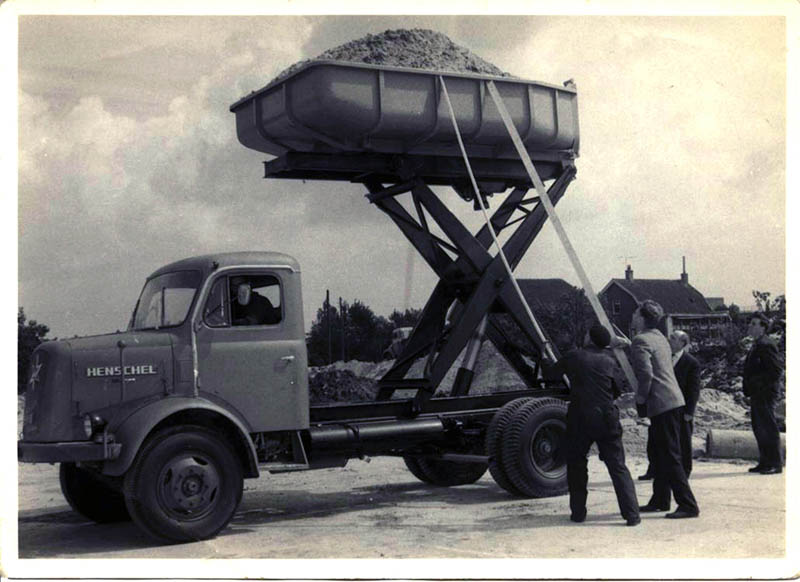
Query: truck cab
<point x="190" y="335"/>
<point x="213" y="341"/>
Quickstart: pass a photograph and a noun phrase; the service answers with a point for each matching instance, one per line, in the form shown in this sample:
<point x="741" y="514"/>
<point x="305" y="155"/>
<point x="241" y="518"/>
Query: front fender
<point x="135" y="429"/>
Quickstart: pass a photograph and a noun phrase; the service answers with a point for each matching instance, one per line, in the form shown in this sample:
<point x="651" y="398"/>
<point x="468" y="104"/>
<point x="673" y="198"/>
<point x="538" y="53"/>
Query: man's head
<point x="758" y="325"/>
<point x="678" y="340"/>
<point x="647" y="315"/>
<point x="243" y="290"/>
<point x="600" y="336"/>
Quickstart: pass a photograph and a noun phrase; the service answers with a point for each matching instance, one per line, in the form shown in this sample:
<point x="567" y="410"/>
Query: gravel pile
<point x="415" y="48"/>
<point x="336" y="385"/>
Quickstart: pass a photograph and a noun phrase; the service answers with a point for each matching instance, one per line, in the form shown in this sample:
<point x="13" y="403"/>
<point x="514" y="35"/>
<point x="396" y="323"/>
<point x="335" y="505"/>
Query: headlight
<point x="87" y="426"/>
<point x="92" y="423"/>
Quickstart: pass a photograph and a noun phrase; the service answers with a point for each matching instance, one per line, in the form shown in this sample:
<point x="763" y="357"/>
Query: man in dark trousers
<point x="761" y="382"/>
<point x="659" y="397"/>
<point x="687" y="373"/>
<point x="593" y="416"/>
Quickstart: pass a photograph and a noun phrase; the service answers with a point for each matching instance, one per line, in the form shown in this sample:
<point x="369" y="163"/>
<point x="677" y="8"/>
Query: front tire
<point x="88" y="495"/>
<point x="184" y="485"/>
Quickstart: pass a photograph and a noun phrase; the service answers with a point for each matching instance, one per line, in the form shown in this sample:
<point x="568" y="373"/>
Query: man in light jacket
<point x="659" y="397"/>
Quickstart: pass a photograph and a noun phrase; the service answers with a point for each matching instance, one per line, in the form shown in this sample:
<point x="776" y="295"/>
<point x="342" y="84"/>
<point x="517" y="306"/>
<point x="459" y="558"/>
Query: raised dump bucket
<point x="337" y="107"/>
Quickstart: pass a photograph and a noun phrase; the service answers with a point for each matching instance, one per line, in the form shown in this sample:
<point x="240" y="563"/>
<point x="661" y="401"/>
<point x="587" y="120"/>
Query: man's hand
<point x="620" y="342"/>
<point x="641" y="410"/>
<point x="687" y="417"/>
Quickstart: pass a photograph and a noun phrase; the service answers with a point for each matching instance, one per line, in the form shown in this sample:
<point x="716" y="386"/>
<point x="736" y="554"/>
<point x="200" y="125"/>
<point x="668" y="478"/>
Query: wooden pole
<point x="328" y="321"/>
<point x="562" y="234"/>
<point x="341" y="319"/>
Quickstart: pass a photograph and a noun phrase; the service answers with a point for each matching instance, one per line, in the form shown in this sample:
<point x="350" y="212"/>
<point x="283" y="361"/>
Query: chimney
<point x="684" y="275"/>
<point x="629" y="273"/>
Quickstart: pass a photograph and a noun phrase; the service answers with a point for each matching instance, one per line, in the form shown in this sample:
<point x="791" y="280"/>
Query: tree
<point x="407" y="318"/>
<point x="770" y="306"/>
<point x="29" y="335"/>
<point x="365" y="334"/>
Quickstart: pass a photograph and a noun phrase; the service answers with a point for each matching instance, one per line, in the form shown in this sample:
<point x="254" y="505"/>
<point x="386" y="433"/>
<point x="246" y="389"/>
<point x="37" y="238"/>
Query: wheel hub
<point x="545" y="450"/>
<point x="189" y="485"/>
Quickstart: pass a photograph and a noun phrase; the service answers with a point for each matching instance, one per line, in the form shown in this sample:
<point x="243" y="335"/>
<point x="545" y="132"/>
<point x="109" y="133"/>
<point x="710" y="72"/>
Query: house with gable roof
<point x="684" y="306"/>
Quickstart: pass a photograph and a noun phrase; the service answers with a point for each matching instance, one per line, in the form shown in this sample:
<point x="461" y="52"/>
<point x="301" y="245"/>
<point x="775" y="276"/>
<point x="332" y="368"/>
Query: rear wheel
<point x="534" y="448"/>
<point x="445" y="473"/>
<point x="184" y="485"/>
<point x="413" y="465"/>
<point x="449" y="473"/>
<point x="90" y="496"/>
<point x="494" y="443"/>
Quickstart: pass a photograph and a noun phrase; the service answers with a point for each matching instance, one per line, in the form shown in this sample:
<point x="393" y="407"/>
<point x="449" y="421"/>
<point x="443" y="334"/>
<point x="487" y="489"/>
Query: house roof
<point x="673" y="295"/>
<point x="545" y="291"/>
<point x="714" y="302"/>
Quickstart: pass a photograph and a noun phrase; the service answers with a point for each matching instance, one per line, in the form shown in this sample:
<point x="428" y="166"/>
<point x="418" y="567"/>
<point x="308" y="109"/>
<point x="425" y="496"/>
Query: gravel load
<point x="415" y="48"/>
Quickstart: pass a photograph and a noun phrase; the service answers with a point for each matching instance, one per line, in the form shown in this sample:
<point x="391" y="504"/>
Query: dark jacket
<point x="762" y="370"/>
<point x="594" y="377"/>
<point x="687" y="373"/>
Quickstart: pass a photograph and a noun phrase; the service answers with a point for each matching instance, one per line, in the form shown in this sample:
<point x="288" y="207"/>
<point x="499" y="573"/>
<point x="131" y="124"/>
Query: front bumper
<point x="66" y="452"/>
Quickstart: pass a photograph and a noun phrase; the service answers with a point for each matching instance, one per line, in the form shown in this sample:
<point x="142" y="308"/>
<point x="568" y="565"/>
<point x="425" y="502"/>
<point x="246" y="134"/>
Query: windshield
<point x="165" y="300"/>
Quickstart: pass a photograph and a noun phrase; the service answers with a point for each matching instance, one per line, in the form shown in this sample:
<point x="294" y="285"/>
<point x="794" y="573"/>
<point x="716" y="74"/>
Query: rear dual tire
<point x="526" y="443"/>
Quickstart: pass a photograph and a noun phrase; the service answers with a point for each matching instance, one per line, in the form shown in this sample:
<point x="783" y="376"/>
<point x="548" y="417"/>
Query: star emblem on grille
<point x="37" y="368"/>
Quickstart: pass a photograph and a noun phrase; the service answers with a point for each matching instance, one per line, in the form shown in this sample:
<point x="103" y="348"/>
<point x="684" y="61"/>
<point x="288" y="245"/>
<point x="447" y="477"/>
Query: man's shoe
<point x="756" y="469"/>
<point x="681" y="514"/>
<point x="771" y="470"/>
<point x="633" y="520"/>
<point x="646" y="477"/>
<point x="651" y="508"/>
<point x="578" y="517"/>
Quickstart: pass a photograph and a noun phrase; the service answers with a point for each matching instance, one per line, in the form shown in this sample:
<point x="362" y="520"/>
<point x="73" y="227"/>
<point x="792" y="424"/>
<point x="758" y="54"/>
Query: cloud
<point x="124" y="168"/>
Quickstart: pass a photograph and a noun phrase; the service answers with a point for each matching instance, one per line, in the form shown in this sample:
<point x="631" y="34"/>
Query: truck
<point x="208" y="385"/>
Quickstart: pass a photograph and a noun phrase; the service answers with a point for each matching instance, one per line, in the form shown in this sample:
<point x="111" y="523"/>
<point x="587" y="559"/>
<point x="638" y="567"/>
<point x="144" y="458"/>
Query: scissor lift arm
<point x="468" y="274"/>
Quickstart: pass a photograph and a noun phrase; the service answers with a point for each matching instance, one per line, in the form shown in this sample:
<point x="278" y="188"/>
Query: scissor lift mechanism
<point x="473" y="279"/>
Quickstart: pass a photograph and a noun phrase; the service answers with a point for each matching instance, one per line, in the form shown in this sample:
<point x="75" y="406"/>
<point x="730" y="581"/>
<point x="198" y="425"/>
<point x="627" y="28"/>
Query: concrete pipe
<point x="735" y="444"/>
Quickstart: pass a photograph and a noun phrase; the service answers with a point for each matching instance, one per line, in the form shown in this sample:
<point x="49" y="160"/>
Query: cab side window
<point x="244" y="300"/>
<point x="255" y="300"/>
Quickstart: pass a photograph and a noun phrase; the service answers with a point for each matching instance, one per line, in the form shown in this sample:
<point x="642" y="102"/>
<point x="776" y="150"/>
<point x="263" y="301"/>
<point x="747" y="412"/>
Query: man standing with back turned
<point x="593" y="416"/>
<point x="660" y="399"/>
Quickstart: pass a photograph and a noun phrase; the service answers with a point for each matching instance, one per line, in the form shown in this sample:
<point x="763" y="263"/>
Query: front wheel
<point x="184" y="485"/>
<point x="90" y="496"/>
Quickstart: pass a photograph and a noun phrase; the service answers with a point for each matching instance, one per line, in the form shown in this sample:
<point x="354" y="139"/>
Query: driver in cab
<point x="250" y="308"/>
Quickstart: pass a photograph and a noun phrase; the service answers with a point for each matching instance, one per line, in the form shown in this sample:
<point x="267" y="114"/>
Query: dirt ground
<point x="379" y="510"/>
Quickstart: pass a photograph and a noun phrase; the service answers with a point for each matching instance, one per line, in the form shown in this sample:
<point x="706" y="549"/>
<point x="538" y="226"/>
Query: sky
<point x="128" y="158"/>
<point x="119" y="152"/>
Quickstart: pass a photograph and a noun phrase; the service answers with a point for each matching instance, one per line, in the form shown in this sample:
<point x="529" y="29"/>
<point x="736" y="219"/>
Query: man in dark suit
<point x="761" y="382"/>
<point x="593" y="416"/>
<point x="687" y="373"/>
<point x="659" y="398"/>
